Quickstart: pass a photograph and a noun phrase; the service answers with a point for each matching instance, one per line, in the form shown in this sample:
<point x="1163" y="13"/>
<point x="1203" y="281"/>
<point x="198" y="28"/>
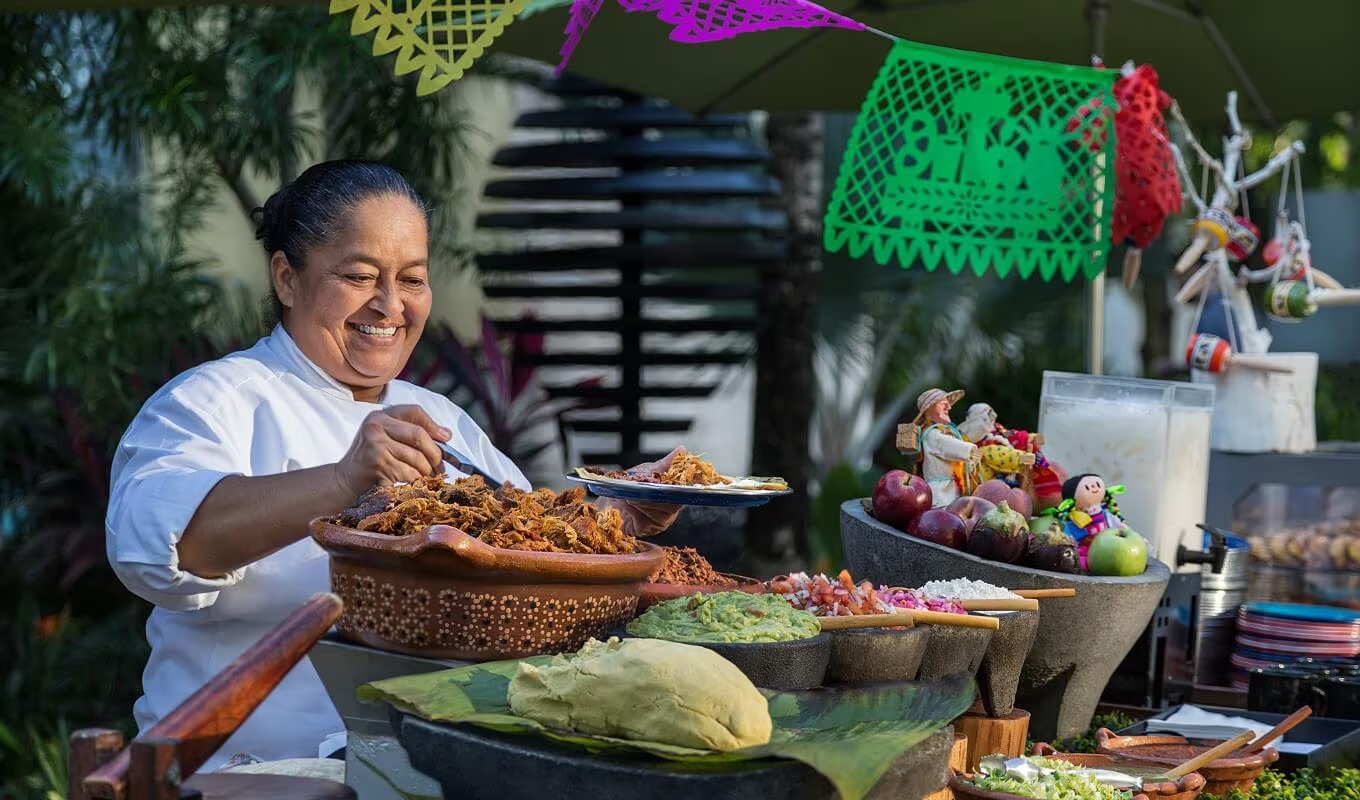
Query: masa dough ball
<point x="645" y="690"/>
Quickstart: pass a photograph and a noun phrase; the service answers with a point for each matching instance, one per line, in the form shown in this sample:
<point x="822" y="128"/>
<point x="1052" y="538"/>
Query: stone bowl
<point x="1187" y="787"/>
<point x="1080" y="641"/>
<point x="441" y="593"/>
<point x="653" y="593"/>
<point x="472" y="763"/>
<point x="1237" y="770"/>
<point x="953" y="650"/>
<point x="877" y="655"/>
<point x="998" y="677"/>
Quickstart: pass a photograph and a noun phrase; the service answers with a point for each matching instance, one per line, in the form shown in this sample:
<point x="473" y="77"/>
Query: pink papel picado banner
<point x="700" y="21"/>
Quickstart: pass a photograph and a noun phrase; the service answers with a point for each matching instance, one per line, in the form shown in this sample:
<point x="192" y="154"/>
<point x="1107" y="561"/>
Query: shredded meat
<point x="686" y="469"/>
<point x="684" y="566"/>
<point x="507" y="517"/>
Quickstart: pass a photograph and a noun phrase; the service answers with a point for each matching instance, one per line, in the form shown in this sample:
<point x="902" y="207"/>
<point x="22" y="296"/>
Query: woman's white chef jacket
<point x="260" y="411"/>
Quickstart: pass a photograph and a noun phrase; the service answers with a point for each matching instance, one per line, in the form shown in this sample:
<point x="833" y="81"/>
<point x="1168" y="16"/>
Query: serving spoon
<point x="462" y="463"/>
<point x="1024" y="769"/>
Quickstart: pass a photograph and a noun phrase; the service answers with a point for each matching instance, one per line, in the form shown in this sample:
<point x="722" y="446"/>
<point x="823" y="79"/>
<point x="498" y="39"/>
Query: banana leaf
<point x="850" y="735"/>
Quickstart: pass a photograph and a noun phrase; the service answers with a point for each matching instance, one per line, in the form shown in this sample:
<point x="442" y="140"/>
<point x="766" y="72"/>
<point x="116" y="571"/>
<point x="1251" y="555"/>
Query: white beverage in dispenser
<point x="1150" y="436"/>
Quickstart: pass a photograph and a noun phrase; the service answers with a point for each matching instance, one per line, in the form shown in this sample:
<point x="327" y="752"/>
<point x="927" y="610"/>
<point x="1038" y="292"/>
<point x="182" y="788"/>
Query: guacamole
<point x="725" y="617"/>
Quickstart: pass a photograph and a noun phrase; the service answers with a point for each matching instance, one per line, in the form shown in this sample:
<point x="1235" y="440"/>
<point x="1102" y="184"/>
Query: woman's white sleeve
<point x="169" y="460"/>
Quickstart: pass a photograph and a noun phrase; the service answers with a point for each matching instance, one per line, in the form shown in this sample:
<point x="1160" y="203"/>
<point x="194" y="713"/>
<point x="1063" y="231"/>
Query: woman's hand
<point x="647" y="519"/>
<point x="394" y="445"/>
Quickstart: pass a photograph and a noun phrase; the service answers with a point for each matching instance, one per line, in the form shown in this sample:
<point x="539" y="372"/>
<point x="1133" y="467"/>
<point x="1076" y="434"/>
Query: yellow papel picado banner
<point x="440" y="38"/>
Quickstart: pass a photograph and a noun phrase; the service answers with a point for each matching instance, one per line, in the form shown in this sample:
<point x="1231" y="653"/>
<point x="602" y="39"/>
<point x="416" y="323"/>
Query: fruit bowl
<point x="1080" y="640"/>
<point x="441" y="593"/>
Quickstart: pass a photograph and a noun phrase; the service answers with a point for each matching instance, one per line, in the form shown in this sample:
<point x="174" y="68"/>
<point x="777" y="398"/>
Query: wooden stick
<point x="1007" y="604"/>
<point x="906" y="619"/>
<point x="903" y="620"/>
<point x="957" y="620"/>
<point x="1211" y="754"/>
<point x="1287" y="724"/>
<point x="1043" y="594"/>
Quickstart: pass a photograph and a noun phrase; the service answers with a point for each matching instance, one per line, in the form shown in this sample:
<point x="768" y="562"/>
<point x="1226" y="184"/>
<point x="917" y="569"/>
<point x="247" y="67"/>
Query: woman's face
<point x="359" y="306"/>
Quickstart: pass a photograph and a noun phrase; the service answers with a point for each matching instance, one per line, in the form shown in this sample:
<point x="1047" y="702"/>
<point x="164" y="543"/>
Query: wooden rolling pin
<point x="1044" y="594"/>
<point x="1004" y="604"/>
<point x="906" y="619"/>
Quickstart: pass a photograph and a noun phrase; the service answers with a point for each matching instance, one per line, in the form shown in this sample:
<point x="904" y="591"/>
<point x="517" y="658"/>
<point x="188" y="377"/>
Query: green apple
<point x="1117" y="552"/>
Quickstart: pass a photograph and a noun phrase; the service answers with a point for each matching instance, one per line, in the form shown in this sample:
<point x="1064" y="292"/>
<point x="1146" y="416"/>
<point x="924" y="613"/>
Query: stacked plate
<point x="1283" y="633"/>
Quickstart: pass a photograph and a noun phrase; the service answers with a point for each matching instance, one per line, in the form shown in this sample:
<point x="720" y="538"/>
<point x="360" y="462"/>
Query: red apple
<point x="997" y="490"/>
<point x="971" y="509"/>
<point x="900" y="497"/>
<point x="940" y="526"/>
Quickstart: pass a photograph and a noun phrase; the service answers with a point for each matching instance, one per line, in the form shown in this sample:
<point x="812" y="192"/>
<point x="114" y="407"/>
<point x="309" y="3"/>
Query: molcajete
<point x="1081" y="640"/>
<point x="440" y="593"/>
<point x="998" y="677"/>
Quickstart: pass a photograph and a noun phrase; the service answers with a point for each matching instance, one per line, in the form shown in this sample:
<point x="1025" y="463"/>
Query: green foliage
<point x="1338" y="415"/>
<point x="842" y="483"/>
<point x="1306" y="784"/>
<point x="101" y="302"/>
<point x="1086" y="742"/>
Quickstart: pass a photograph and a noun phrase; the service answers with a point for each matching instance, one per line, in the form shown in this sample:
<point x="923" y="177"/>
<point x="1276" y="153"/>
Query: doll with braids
<point x="1088" y="507"/>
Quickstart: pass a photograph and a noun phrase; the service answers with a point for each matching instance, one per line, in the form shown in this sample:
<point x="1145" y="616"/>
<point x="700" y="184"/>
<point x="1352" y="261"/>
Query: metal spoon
<point x="1023" y="769"/>
<point x="463" y="464"/>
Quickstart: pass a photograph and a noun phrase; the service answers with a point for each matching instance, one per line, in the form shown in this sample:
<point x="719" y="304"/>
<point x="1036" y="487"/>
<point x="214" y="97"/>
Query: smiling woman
<point x="217" y="477"/>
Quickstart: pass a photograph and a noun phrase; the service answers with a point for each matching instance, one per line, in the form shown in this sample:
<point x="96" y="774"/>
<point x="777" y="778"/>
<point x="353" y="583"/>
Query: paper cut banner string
<point x="967" y="159"/>
<point x="582" y="14"/>
<point x="440" y="38"/>
<point x="699" y="21"/>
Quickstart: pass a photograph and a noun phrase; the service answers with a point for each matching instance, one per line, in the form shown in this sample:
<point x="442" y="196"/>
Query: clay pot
<point x="963" y="789"/>
<point x="440" y="593"/>
<point x="653" y="593"/>
<point x="1188" y="787"/>
<point x="1235" y="771"/>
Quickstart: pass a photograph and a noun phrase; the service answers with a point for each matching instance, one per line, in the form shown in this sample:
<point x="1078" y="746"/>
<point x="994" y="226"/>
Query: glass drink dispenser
<point x="1150" y="436"/>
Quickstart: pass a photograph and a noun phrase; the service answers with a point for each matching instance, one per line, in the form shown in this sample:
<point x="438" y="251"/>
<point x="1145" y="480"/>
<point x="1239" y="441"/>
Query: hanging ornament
<point x="1208" y="353"/>
<point x="439" y="38"/>
<point x="1147" y="189"/>
<point x="1243" y="238"/>
<point x="1210" y="232"/>
<point x="967" y="160"/>
<point x="697" y="21"/>
<point x="1290" y="301"/>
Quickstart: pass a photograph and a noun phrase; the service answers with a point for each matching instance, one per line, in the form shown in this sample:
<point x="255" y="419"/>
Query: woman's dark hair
<point x="307" y="211"/>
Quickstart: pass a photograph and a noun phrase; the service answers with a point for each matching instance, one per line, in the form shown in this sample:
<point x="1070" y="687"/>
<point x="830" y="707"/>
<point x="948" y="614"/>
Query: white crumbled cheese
<point x="965" y="589"/>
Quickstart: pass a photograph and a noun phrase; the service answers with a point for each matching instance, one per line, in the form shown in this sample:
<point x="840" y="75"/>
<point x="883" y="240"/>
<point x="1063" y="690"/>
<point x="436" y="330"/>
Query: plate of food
<point x="689" y="480"/>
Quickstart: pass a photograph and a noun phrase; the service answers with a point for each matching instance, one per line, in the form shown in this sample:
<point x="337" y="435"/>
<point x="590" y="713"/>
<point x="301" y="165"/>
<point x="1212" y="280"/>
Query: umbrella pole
<point x="1097" y="13"/>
